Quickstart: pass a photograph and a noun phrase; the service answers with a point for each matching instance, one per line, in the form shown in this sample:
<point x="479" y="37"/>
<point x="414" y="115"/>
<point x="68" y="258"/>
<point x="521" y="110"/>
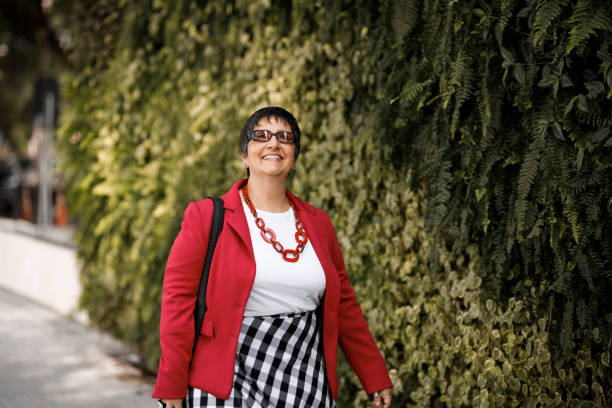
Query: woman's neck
<point x="268" y="194"/>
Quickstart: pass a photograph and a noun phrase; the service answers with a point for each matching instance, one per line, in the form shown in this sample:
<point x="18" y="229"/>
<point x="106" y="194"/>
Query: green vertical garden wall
<point x="461" y="148"/>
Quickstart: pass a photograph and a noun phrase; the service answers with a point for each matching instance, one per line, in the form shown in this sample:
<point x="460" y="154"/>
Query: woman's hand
<point x="173" y="403"/>
<point x="383" y="399"/>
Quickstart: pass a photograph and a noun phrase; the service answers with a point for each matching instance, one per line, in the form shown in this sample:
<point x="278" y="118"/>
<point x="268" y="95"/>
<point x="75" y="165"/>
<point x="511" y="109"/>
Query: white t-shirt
<point x="281" y="286"/>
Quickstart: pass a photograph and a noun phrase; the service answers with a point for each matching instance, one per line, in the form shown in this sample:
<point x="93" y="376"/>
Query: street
<point x="51" y="361"/>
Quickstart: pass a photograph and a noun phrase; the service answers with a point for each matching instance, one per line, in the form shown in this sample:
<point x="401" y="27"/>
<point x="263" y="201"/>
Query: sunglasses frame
<point x="272" y="134"/>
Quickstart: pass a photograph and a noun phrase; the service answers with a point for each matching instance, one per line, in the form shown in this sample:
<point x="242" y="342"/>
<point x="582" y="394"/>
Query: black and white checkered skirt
<point x="279" y="363"/>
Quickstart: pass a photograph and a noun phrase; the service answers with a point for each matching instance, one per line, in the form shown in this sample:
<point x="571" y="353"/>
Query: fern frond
<point x="584" y="316"/>
<point x="593" y="210"/>
<point x="562" y="284"/>
<point x="506" y="13"/>
<point x="594" y="119"/>
<point x="404" y="18"/>
<point x="485" y="109"/>
<point x="546" y="12"/>
<point x="457" y="69"/>
<point x="529" y="168"/>
<point x="536" y="230"/>
<point x="607" y="247"/>
<point x="604" y="271"/>
<point x="412" y="90"/>
<point x="464" y="93"/>
<point x="585" y="269"/>
<point x="572" y="217"/>
<point x="442" y="195"/>
<point x="443" y="51"/>
<point x="602" y="274"/>
<point x="586" y="21"/>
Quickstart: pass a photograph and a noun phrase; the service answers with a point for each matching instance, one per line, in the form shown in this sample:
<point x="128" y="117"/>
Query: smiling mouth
<point x="272" y="157"/>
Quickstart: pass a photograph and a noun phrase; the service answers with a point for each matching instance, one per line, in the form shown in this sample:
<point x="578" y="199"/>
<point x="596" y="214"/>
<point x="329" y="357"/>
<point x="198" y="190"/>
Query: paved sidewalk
<point x="49" y="361"/>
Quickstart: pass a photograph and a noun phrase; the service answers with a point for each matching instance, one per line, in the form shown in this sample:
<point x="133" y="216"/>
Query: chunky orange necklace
<point x="301" y="237"/>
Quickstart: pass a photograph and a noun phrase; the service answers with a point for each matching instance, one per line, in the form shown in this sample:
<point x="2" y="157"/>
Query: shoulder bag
<point x="215" y="231"/>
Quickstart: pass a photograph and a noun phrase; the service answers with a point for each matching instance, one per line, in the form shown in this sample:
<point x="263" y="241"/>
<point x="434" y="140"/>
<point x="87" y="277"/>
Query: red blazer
<point x="231" y="277"/>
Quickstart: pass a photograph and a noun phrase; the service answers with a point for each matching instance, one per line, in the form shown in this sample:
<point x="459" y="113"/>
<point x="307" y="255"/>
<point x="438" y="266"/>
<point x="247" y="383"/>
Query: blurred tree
<point x="29" y="48"/>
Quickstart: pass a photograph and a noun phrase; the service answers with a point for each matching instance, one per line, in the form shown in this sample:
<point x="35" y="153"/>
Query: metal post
<point x="45" y="192"/>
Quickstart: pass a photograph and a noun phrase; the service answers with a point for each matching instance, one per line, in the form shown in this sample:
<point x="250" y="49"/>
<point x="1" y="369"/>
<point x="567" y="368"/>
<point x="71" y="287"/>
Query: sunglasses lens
<point x="285" y="137"/>
<point x="261" y="135"/>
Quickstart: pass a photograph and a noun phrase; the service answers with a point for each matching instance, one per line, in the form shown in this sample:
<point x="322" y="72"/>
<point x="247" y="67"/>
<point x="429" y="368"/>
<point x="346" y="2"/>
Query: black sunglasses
<point x="262" y="135"/>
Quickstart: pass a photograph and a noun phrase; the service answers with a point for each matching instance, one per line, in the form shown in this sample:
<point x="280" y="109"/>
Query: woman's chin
<point x="273" y="172"/>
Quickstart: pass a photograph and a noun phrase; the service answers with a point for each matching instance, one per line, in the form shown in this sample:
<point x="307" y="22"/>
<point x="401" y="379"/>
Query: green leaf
<point x="605" y="358"/>
<point x="583" y="390"/>
<point x="519" y="74"/>
<point x="600" y="134"/>
<point x="506" y="368"/>
<point x="506" y="55"/>
<point x="557" y="130"/>
<point x="547" y="82"/>
<point x="597" y="388"/>
<point x="481" y="381"/>
<point x="594" y="89"/>
<point x="582" y="103"/>
<point x="579" y="158"/>
<point x="106" y="189"/>
<point x="542" y="324"/>
<point x="570" y="106"/>
<point x="524" y="12"/>
<point x="522" y="375"/>
<point x="566" y="81"/>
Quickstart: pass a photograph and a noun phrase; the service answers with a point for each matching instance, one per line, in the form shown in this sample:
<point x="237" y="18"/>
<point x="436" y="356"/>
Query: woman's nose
<point x="273" y="140"/>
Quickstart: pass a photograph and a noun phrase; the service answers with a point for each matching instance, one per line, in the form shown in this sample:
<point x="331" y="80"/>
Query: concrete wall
<point x="40" y="264"/>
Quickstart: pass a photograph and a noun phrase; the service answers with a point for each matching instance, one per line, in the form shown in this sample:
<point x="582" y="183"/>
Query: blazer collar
<point x="231" y="199"/>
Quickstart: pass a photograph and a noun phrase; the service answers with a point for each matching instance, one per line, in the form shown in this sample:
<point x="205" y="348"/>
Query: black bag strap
<point x="215" y="231"/>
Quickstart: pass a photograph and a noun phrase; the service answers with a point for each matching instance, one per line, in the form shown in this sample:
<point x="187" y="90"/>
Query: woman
<point x="279" y="299"/>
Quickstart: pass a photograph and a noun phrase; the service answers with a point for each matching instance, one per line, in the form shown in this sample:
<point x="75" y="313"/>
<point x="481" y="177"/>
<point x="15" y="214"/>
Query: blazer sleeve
<point x="180" y="288"/>
<point x="354" y="336"/>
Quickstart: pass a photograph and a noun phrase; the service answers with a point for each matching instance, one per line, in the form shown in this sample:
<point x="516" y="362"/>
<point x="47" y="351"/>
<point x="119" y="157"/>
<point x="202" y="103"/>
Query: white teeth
<point x="275" y="157"/>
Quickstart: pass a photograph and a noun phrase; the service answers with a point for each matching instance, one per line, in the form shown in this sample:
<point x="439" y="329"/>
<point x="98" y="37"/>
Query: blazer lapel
<point x="234" y="215"/>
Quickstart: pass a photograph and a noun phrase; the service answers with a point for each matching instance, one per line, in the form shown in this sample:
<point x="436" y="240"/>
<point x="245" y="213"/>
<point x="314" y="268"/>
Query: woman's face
<point x="270" y="158"/>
